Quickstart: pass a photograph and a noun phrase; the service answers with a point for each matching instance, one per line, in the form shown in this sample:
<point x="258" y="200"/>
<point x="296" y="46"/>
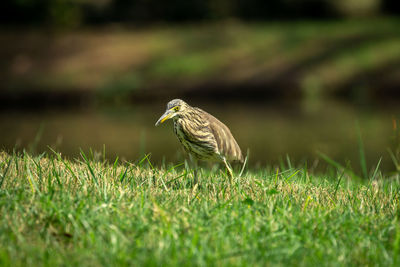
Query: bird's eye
<point x="176" y="108"/>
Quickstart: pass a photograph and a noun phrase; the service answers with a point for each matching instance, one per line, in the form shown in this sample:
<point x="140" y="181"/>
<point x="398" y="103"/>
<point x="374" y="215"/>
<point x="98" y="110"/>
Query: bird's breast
<point x="198" y="143"/>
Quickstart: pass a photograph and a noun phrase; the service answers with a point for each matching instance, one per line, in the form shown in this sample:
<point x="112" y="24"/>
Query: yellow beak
<point x="167" y="115"/>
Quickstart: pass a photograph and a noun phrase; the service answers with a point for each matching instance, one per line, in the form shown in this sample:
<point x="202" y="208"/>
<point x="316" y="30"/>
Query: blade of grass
<point x="66" y="164"/>
<point x="288" y="161"/>
<point x="32" y="182"/>
<point x="143" y="159"/>
<point x="338" y="183"/>
<point x="376" y="169"/>
<point x="244" y="163"/>
<point x="394" y="159"/>
<point x="124" y="175"/>
<point x="276" y="176"/>
<point x="337" y="165"/>
<point x="89" y="167"/>
<point x="115" y="162"/>
<point x="55" y="173"/>
<point x="3" y="176"/>
<point x="291" y="176"/>
<point x="174" y="179"/>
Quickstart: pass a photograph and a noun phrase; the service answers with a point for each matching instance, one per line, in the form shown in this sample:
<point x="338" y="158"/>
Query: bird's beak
<point x="167" y="115"/>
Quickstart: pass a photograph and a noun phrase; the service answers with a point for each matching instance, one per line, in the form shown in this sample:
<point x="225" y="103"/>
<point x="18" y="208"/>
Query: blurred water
<point x="270" y="131"/>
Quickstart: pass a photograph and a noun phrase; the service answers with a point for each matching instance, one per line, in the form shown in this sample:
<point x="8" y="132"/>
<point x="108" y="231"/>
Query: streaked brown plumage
<point x="201" y="134"/>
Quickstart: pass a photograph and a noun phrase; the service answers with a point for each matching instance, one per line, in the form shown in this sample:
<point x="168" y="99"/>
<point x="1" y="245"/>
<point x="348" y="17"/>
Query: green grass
<point x="89" y="211"/>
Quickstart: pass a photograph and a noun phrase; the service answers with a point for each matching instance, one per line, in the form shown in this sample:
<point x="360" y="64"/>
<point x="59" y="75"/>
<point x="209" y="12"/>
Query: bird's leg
<point x="228" y="168"/>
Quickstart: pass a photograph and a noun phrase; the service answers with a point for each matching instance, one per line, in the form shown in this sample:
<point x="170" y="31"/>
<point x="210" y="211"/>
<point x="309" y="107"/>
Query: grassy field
<point x="89" y="211"/>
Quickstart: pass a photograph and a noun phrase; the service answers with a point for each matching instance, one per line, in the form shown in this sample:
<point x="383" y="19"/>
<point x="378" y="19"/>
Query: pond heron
<point x="201" y="134"/>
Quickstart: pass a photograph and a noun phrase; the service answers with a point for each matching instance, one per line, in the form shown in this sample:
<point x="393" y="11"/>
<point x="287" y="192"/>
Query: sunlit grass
<point x="89" y="211"/>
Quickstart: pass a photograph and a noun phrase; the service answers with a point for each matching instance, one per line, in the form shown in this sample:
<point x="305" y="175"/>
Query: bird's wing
<point x="227" y="145"/>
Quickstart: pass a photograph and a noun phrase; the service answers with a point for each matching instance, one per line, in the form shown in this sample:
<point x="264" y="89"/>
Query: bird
<point x="201" y="134"/>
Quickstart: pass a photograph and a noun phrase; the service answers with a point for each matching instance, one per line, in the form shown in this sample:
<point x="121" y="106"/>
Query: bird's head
<point x="175" y="108"/>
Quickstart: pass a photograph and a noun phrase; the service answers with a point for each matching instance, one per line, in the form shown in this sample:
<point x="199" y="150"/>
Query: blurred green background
<point x="289" y="77"/>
